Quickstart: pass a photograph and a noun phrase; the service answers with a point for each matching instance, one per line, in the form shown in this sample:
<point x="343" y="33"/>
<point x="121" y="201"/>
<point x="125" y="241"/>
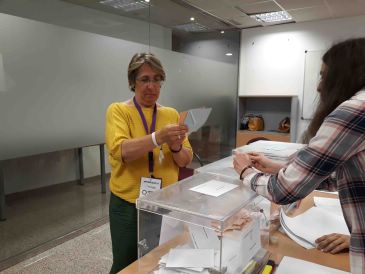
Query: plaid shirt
<point x="338" y="147"/>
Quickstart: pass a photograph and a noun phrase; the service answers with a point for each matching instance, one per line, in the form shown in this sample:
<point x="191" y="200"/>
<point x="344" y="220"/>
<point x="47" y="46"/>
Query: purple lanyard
<point x="153" y="125"/>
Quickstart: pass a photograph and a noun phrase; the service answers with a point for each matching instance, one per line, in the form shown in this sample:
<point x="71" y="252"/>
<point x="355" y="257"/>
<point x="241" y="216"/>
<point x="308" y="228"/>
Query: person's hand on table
<point x="333" y="243"/>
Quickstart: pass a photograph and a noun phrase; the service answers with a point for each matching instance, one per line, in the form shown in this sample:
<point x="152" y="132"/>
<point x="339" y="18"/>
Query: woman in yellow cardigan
<point x="146" y="145"/>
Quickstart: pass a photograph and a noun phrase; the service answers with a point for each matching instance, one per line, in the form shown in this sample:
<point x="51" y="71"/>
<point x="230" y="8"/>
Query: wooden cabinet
<point x="273" y="109"/>
<point x="245" y="136"/>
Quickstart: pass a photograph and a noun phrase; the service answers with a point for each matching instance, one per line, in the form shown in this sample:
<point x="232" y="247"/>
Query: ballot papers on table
<point x="289" y="265"/>
<point x="195" y="118"/>
<point x="280" y="151"/>
<point x="320" y="221"/>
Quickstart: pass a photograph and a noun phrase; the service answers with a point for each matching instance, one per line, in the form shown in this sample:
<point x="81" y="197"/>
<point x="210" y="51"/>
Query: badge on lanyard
<point x="149" y="184"/>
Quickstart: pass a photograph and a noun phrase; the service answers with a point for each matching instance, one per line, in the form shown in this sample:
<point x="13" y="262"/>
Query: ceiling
<point x="212" y="15"/>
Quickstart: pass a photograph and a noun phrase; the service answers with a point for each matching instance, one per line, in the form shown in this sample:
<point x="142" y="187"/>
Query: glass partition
<point x="62" y="64"/>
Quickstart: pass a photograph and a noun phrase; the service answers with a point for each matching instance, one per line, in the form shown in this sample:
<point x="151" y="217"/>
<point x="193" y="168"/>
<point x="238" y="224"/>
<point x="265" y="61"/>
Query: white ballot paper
<point x="190" y="258"/>
<point x="319" y="220"/>
<point x="214" y="188"/>
<point x="195" y="118"/>
<point x="289" y="265"/>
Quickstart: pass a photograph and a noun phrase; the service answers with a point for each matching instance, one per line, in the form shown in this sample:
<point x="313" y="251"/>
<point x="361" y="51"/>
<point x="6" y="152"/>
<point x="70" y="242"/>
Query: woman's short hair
<point x="137" y="61"/>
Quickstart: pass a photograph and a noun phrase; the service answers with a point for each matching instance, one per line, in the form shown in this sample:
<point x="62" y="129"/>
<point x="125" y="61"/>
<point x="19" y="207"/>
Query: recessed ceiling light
<point x="192" y="18"/>
<point x="222" y="31"/>
<point x="147" y="1"/>
<point x="272" y="17"/>
<point x="229" y="54"/>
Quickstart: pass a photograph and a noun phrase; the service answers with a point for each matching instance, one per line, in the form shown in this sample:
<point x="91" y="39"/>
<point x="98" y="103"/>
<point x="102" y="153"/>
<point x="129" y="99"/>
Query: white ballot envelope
<point x="195" y="118"/>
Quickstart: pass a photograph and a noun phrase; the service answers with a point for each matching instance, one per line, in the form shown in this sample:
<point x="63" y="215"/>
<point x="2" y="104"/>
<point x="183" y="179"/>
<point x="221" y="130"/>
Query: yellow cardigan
<point x="123" y="122"/>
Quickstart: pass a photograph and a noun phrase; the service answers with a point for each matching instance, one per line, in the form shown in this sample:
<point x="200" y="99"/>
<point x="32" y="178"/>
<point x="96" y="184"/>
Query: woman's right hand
<point x="264" y="164"/>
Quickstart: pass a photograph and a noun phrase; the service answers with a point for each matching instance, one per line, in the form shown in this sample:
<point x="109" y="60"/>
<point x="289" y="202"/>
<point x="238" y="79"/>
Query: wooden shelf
<point x="273" y="109"/>
<point x="244" y="136"/>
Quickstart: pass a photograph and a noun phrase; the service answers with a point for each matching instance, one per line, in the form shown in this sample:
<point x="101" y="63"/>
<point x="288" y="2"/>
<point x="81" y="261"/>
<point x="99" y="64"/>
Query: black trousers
<point x="123" y="231"/>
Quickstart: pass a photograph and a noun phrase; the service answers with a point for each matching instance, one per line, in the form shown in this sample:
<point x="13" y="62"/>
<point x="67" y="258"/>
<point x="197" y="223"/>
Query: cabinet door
<point x="243" y="137"/>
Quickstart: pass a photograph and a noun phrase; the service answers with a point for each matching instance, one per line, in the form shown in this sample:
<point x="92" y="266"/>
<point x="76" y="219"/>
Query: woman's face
<point x="322" y="74"/>
<point x="147" y="86"/>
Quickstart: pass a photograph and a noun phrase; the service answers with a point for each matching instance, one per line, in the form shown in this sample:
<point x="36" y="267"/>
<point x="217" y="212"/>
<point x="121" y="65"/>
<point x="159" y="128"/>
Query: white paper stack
<point x="187" y="260"/>
<point x="280" y="151"/>
<point x="289" y="265"/>
<point x="320" y="221"/>
<point x="331" y="204"/>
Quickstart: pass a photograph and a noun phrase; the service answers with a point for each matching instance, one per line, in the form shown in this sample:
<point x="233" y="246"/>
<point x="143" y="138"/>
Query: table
<point x="284" y="247"/>
<point x="287" y="247"/>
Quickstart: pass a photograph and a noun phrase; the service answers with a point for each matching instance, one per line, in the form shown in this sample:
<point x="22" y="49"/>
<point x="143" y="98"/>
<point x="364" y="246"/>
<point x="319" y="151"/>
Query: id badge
<point x="149" y="184"/>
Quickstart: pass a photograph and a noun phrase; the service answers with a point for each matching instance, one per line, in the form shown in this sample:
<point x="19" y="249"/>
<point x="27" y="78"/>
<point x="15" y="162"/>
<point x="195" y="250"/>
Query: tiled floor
<point x="40" y="219"/>
<point x="48" y="230"/>
<point x="87" y="253"/>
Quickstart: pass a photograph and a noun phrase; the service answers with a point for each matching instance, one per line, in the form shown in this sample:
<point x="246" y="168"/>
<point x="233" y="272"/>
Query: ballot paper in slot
<point x="321" y="222"/>
<point x="280" y="151"/>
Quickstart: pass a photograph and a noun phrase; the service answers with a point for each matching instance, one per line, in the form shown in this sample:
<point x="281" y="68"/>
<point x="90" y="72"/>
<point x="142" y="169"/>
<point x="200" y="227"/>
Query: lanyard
<point x="153" y="125"/>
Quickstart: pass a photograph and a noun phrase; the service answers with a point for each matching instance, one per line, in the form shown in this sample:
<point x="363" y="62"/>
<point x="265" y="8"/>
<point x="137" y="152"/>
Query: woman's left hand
<point x="240" y="161"/>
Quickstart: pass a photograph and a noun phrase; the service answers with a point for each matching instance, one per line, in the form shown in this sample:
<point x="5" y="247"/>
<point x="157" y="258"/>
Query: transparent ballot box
<point x="221" y="167"/>
<point x="206" y="223"/>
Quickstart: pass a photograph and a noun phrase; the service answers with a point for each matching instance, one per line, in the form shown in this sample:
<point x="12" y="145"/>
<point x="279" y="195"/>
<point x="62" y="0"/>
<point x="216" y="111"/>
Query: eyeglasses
<point x="146" y="81"/>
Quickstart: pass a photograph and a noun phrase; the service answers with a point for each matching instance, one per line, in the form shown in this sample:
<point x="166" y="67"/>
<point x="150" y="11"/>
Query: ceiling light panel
<point x="273" y="17"/>
<point x="126" y="5"/>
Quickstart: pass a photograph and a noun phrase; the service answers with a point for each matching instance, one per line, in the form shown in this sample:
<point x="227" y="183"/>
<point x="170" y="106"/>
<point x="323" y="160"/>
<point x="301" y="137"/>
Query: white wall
<point x="272" y="58"/>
